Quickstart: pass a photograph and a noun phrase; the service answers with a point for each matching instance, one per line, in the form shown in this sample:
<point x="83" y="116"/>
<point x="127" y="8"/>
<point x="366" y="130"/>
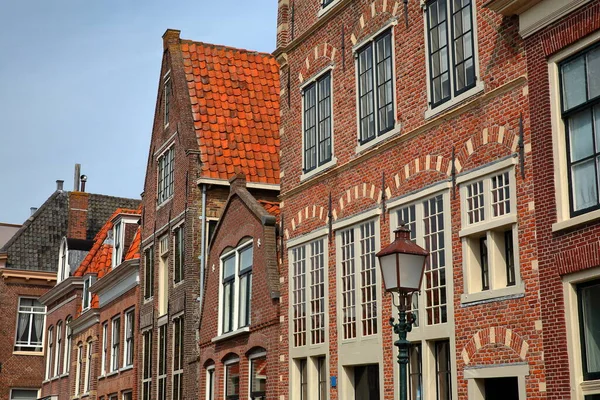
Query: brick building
<point x="562" y="44"/>
<point x="415" y="112"/>
<point x="28" y="269"/>
<point x="90" y="353"/>
<point x="217" y="113"/>
<point x="239" y="335"/>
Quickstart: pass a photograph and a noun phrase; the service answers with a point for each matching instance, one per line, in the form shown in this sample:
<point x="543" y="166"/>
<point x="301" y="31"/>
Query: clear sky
<point x="78" y="84"/>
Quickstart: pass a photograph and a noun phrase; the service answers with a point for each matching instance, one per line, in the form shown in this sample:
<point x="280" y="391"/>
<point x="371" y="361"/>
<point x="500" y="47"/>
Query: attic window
<point x="168" y="91"/>
<point x="165" y="175"/>
<point x="118" y="250"/>
<point x="87" y="295"/>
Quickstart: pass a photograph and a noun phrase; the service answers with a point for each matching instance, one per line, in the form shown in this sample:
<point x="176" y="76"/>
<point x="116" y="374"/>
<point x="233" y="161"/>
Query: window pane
<point x="348" y="285"/>
<point x="442" y="360"/>
<point x="258" y="379"/>
<point x="317" y="292"/>
<point x="299" y="295"/>
<point x="310" y="130"/>
<point x="229" y="267"/>
<point x="227" y="307"/>
<point x="303" y="379"/>
<point x="23" y="394"/>
<point x="322" y="373"/>
<point x="438" y="52"/>
<point x="415" y="372"/>
<point x="368" y="279"/>
<point x="464" y="71"/>
<point x="232" y="385"/>
<point x="324" y="89"/>
<point x="365" y="93"/>
<point x="573" y="75"/>
<point x="581" y="138"/>
<point x="590" y="326"/>
<point x="593" y="70"/>
<point x="245" y="294"/>
<point x="585" y="193"/>
<point x="246" y="258"/>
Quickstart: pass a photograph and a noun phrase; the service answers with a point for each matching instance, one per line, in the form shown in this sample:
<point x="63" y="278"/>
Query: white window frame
<point x="104" y="348"/>
<point x="118" y="237"/>
<point x="165" y="184"/>
<point x="470" y="233"/>
<point x="86" y="296"/>
<point x="475" y="377"/>
<point x="227" y="363"/>
<point x="63" y="262"/>
<point x="252" y="357"/>
<point x="178" y="373"/>
<point x="210" y="382"/>
<point x="147" y="358"/>
<point x="333" y="160"/>
<point x="579" y="387"/>
<point x="58" y="345"/>
<point x="78" y="369"/>
<point x="559" y="144"/>
<point x="149" y="262"/>
<point x="129" y="342"/>
<point x="88" y="367"/>
<point x="236" y="289"/>
<point x="49" y="352"/>
<point x="27" y="389"/>
<point x="308" y="282"/>
<point x="163" y="275"/>
<point x="397" y="127"/>
<point x="32" y="312"/>
<point x="115" y="343"/>
<point x="180" y="229"/>
<point x="69" y="338"/>
<point x="479" y="84"/>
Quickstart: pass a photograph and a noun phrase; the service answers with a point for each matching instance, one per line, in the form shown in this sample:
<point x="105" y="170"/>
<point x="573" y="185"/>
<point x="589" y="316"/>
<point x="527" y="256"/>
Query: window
<point x="147" y="366"/>
<point x="30" y="325"/>
<point x="127" y="396"/>
<point x="210" y="382"/>
<point x="50" y="352"/>
<point x="258" y="377"/>
<point x="63" y="262"/>
<point x="149" y="273"/>
<point x="308" y="289"/>
<point x="375" y="88"/>
<point x="178" y="358"/>
<point x="588" y="295"/>
<point x="317" y="122"/>
<point x="119" y="237"/>
<point x="116" y="343"/>
<point x="163" y="276"/>
<point x="23" y="394"/>
<point x="325" y="3"/>
<point x="129" y="332"/>
<point x="168" y="91"/>
<point x="580" y="106"/>
<point x="165" y="175"/>
<point x="489" y="232"/>
<point x="358" y="281"/>
<point x="425" y="219"/>
<point x="415" y="372"/>
<point x="104" y="348"/>
<point x="451" y="45"/>
<point x="87" y="295"/>
<point x="67" y="356"/>
<point x="322" y="375"/>
<point x="58" y="352"/>
<point x="88" y="368"/>
<point x="78" y="369"/>
<point x="232" y="380"/>
<point x="162" y="362"/>
<point x="236" y="282"/>
<point x="442" y="369"/>
<point x="302" y="366"/>
<point x="179" y="255"/>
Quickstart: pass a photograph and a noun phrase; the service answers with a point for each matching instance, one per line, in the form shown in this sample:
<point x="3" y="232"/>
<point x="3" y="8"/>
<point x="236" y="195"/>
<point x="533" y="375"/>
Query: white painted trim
<point x="414" y="196"/>
<point x="476" y="390"/>
<point x="314" y="77"/>
<point x="495" y="294"/>
<point x="322" y="168"/>
<point x="456" y="100"/>
<point x="488" y="225"/>
<point x="353" y="220"/>
<point x="327" y="8"/>
<point x="165" y="146"/>
<point x="378" y="139"/>
<point x="559" y="146"/>
<point x="545" y="13"/>
<point x="391" y="23"/>
<point x="309" y="237"/>
<point x="251" y="185"/>
<point x="489" y="169"/>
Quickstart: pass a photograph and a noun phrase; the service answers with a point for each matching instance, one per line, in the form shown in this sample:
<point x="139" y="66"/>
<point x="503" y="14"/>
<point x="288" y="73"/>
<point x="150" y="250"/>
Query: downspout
<point x="202" y="249"/>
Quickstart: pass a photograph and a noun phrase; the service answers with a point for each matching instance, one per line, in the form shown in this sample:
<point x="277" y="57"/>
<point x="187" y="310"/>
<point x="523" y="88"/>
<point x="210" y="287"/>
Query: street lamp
<point x="402" y="265"/>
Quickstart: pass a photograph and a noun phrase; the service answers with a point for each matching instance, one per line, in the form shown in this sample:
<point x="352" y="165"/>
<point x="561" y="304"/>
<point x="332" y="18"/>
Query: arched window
<point x="88" y="367"/>
<point x="67" y="355"/>
<point x="50" y="352"/>
<point x="63" y="262"/>
<point x="258" y="373"/>
<point x="59" y="327"/>
<point x="210" y="380"/>
<point x="78" y="368"/>
<point x="232" y="377"/>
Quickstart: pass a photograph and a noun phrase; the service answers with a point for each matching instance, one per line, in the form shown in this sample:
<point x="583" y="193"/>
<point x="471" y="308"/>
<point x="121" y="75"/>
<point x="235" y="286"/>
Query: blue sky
<point x="79" y="81"/>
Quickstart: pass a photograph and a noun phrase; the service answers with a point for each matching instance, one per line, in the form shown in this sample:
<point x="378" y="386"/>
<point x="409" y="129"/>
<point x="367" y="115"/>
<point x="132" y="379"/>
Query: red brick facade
<point x="426" y="148"/>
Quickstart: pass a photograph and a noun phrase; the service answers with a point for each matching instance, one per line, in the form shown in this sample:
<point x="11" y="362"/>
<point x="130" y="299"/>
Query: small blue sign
<point x="334" y="381"/>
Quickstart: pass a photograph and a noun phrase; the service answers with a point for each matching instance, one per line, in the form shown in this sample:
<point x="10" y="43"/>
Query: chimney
<point x="78" y="215"/>
<point x="171" y="36"/>
<point x="33" y="210"/>
<point x="76" y="177"/>
<point x="59" y="185"/>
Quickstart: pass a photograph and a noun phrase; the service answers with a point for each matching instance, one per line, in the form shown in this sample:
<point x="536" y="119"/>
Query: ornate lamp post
<point x="402" y="265"/>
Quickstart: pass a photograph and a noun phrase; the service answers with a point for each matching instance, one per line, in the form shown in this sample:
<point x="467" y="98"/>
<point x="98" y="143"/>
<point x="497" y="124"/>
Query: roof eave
<point x="250" y="185"/>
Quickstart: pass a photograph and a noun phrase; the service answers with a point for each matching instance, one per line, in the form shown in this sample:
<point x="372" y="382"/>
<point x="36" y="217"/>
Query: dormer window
<point x="122" y="234"/>
<point x="87" y="295"/>
<point x="118" y="249"/>
<point x="63" y="262"/>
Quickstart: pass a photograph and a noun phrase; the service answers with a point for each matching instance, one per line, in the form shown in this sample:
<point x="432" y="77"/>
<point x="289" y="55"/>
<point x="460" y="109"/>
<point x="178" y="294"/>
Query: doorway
<point x="501" y="388"/>
<point x="366" y="382"/>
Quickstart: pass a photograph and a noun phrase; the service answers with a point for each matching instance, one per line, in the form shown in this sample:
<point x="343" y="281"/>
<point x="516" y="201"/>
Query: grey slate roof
<point x="36" y="245"/>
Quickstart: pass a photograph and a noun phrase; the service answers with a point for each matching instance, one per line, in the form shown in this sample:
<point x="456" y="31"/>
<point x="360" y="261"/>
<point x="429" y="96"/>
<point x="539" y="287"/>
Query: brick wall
<point x="566" y="251"/>
<point x="482" y="129"/>
<point x="78" y="215"/>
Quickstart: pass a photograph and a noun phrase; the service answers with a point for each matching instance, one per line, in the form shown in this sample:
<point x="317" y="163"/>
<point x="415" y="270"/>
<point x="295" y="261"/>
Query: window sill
<point x="430" y="113"/>
<point x="45" y="381"/>
<point x="488" y="296"/>
<point x="101" y="377"/>
<point x="126" y="368"/>
<point x="229" y="335"/>
<point x="177" y="284"/>
<point x="29" y="353"/>
<point x="113" y="373"/>
<point x="590" y="385"/>
<point x="54" y="378"/>
<point x="64" y="375"/>
<point x="319" y="170"/>
<point x="85" y="395"/>
<point x="488" y="226"/>
<point x="148" y="300"/>
<point x="164" y="203"/>
<point x="576" y="221"/>
<point x="327" y="8"/>
<point x="378" y="140"/>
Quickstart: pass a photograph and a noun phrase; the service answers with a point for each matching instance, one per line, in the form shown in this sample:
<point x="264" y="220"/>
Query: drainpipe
<point x="202" y="248"/>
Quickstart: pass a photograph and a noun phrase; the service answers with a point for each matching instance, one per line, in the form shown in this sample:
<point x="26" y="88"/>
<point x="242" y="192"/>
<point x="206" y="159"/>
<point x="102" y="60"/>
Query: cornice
<point x="115" y="275"/>
<point x="397" y="140"/>
<point x="85" y="320"/>
<point x="60" y="290"/>
<point x="40" y="278"/>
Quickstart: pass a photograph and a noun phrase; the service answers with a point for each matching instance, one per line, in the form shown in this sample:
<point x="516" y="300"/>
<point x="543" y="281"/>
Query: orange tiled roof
<point x="134" y="249"/>
<point x="99" y="259"/>
<point x="272" y="207"/>
<point x="235" y="105"/>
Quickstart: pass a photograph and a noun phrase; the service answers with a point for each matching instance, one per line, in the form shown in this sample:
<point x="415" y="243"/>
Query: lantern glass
<point x="408" y="267"/>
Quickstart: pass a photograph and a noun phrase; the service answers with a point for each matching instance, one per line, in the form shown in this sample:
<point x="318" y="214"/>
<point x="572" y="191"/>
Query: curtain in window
<point x="590" y="297"/>
<point x="38" y="325"/>
<point x="23" y="327"/>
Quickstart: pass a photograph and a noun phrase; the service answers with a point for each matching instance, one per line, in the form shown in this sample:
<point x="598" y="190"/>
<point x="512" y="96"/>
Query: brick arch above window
<point x="230" y="357"/>
<point x="494" y="336"/>
<point x="506" y="138"/>
<point x="319" y="57"/>
<point x="255" y="347"/>
<point x="314" y="212"/>
<point x="371" y="192"/>
<point x="209" y="363"/>
<point x="374" y="12"/>
<point x="424" y="163"/>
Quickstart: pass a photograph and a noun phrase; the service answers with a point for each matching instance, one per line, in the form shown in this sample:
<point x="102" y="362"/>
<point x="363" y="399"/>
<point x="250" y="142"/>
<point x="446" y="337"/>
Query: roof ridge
<point x="225" y="47"/>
